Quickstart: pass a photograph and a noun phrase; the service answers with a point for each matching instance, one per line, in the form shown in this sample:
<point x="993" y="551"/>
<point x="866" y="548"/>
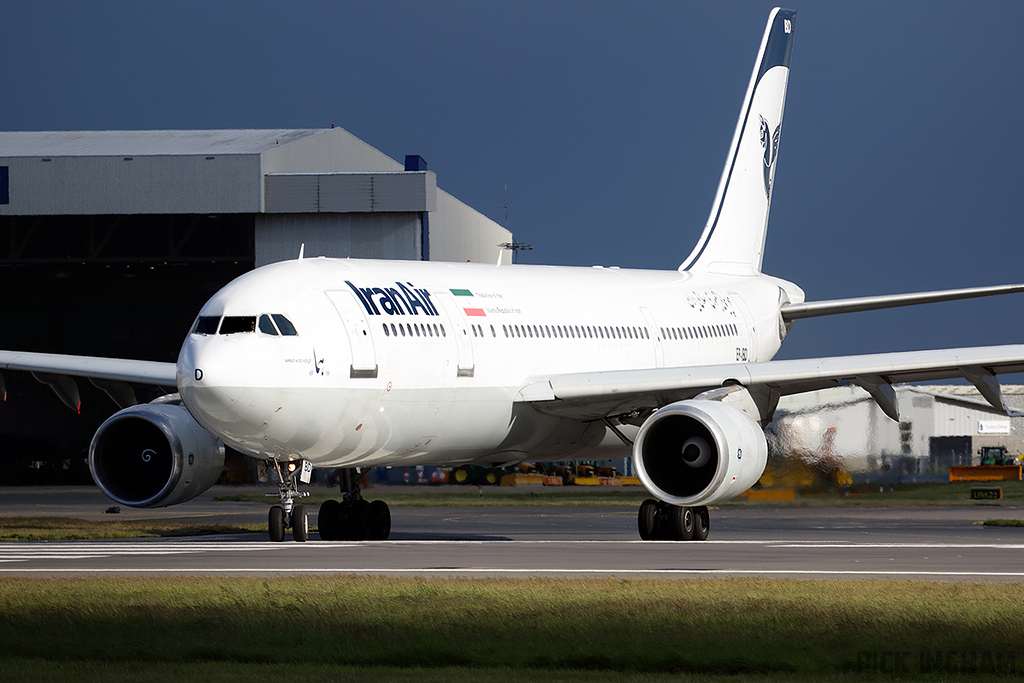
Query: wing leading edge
<point x="597" y="395"/>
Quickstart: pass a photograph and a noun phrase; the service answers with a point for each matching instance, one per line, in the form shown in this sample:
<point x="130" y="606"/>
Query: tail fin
<point x="733" y="239"/>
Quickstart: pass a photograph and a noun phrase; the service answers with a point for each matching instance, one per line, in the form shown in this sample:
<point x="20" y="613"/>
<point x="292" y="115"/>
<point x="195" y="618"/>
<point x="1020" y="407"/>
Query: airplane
<point x="351" y="364"/>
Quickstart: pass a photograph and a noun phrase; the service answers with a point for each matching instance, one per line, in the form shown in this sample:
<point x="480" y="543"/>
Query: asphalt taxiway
<point x="929" y="543"/>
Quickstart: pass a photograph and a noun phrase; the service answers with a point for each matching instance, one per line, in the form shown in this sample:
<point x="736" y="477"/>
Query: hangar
<point x="940" y="426"/>
<point x="111" y="241"/>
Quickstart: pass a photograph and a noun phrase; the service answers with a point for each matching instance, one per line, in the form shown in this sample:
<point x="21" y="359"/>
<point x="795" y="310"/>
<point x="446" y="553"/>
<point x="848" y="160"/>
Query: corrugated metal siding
<point x="359" y="235"/>
<point x="350" y="192"/>
<point x="72" y="185"/>
<point x="147" y="142"/>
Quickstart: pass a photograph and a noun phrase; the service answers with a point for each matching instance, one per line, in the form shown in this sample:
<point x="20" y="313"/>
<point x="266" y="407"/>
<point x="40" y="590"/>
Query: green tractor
<point x="996" y="455"/>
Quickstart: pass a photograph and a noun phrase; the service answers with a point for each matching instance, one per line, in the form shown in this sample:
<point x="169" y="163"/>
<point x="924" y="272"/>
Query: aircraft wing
<point x="112" y="375"/>
<point x="112" y="369"/>
<point x="597" y="395"/>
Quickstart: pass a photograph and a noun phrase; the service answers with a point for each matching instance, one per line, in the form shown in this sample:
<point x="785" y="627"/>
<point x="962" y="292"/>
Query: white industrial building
<point x="323" y="187"/>
<point x="940" y="426"/>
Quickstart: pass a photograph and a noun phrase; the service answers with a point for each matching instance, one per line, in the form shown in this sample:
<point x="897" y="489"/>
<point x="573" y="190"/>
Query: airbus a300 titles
<point x="350" y="364"/>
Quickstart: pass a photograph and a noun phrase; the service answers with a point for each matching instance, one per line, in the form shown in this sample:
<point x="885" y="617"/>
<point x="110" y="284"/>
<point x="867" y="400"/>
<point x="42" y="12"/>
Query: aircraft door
<point x="460" y="328"/>
<point x="659" y="350"/>
<point x="364" y="360"/>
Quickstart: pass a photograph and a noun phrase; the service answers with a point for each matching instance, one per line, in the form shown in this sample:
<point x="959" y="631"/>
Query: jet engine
<point x="699" y="452"/>
<point x="154" y="455"/>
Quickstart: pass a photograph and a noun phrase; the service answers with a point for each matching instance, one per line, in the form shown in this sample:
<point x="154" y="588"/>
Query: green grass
<point x="400" y="629"/>
<point x="452" y="496"/>
<point x="1004" y="522"/>
<point x="958" y="493"/>
<point x="68" y="528"/>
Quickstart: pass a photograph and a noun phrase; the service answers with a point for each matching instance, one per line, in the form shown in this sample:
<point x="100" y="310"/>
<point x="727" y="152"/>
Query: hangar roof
<point x="147" y="142"/>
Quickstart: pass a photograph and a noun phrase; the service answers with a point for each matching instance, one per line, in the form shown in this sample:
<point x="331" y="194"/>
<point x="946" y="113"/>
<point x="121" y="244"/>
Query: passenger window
<point x="284" y="324"/>
<point x="387" y="333"/>
<point x="402" y="329"/>
<point x="267" y="326"/>
<point x="443" y="333"/>
<point x="206" y="324"/>
<point x="237" y="324"/>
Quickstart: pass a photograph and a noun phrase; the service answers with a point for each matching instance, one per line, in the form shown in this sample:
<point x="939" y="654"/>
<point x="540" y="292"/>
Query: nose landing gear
<point x="353" y="518"/>
<point x="660" y="521"/>
<point x="287" y="514"/>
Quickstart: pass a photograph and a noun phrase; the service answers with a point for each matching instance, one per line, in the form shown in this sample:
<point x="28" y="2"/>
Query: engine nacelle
<point x="699" y="452"/>
<point x="154" y="455"/>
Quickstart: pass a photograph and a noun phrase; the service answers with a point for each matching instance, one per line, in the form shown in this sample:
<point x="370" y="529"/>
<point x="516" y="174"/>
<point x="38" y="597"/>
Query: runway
<point x="939" y="544"/>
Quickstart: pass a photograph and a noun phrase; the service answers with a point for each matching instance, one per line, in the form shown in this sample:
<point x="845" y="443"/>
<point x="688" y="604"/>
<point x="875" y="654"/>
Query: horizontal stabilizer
<point x="814" y="309"/>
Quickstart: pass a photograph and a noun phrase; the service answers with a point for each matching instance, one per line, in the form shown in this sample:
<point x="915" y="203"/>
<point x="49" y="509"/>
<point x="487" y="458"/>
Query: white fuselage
<point x="407" y="363"/>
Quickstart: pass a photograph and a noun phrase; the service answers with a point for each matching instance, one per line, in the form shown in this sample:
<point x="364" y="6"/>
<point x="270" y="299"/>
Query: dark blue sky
<point x="899" y="169"/>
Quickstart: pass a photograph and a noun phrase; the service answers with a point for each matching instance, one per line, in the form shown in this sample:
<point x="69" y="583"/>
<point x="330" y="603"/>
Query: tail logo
<point x="770" y="142"/>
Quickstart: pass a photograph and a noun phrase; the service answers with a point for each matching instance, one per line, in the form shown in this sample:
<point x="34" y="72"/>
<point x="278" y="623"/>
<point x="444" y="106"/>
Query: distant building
<point x="940" y="426"/>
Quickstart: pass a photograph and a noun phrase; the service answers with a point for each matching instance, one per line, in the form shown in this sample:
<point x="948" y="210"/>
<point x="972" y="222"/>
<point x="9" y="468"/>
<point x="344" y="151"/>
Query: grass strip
<point x="1004" y="522"/>
<point x="463" y="497"/>
<point x="68" y="528"/>
<point x="36" y="671"/>
<point x="735" y="627"/>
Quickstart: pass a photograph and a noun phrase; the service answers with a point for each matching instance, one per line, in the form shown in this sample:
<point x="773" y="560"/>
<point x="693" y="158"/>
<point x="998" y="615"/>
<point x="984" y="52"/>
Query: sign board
<point x="993" y="426"/>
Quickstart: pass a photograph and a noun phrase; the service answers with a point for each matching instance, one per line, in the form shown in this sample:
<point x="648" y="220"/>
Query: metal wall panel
<point x="414" y="191"/>
<point x="338" y="235"/>
<point x="55" y="186"/>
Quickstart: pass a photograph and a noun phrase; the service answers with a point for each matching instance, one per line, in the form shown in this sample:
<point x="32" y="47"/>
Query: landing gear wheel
<point x="646" y="519"/>
<point x="701" y="523"/>
<point x="328" y="520"/>
<point x="379" y="517"/>
<point x="680" y="520"/>
<point x="359" y="521"/>
<point x="300" y="524"/>
<point x="461" y="476"/>
<point x="275" y="523"/>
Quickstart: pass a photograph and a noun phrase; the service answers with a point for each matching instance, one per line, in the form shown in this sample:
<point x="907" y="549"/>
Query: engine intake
<point x="154" y="455"/>
<point x="699" y="452"/>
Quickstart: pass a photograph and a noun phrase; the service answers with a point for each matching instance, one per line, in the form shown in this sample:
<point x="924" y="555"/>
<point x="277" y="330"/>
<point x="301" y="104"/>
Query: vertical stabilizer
<point x="733" y="239"/>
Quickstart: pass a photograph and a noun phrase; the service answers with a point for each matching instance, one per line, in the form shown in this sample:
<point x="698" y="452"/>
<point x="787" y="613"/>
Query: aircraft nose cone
<point x="212" y="377"/>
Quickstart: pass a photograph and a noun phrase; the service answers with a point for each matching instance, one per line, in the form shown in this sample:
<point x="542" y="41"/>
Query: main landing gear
<point x="287" y="515"/>
<point x="352" y="518"/>
<point x="660" y="521"/>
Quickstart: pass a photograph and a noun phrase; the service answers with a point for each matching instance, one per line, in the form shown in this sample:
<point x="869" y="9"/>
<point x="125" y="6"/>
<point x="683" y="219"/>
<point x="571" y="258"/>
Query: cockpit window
<point x="207" y="324"/>
<point x="234" y="324"/>
<point x="285" y="325"/>
<point x="267" y="326"/>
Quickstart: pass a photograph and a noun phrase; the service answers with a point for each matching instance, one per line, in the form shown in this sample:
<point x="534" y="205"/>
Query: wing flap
<point x="600" y="394"/>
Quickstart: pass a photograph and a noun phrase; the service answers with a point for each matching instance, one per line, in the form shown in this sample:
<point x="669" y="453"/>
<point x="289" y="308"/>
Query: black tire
<point x="680" y="523"/>
<point x="356" y="521"/>
<point x="300" y="524"/>
<point x="379" y="516"/>
<point x="328" y="519"/>
<point x="460" y="476"/>
<point x="492" y="477"/>
<point x="275" y="523"/>
<point x="646" y="519"/>
<point x="701" y="523"/>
